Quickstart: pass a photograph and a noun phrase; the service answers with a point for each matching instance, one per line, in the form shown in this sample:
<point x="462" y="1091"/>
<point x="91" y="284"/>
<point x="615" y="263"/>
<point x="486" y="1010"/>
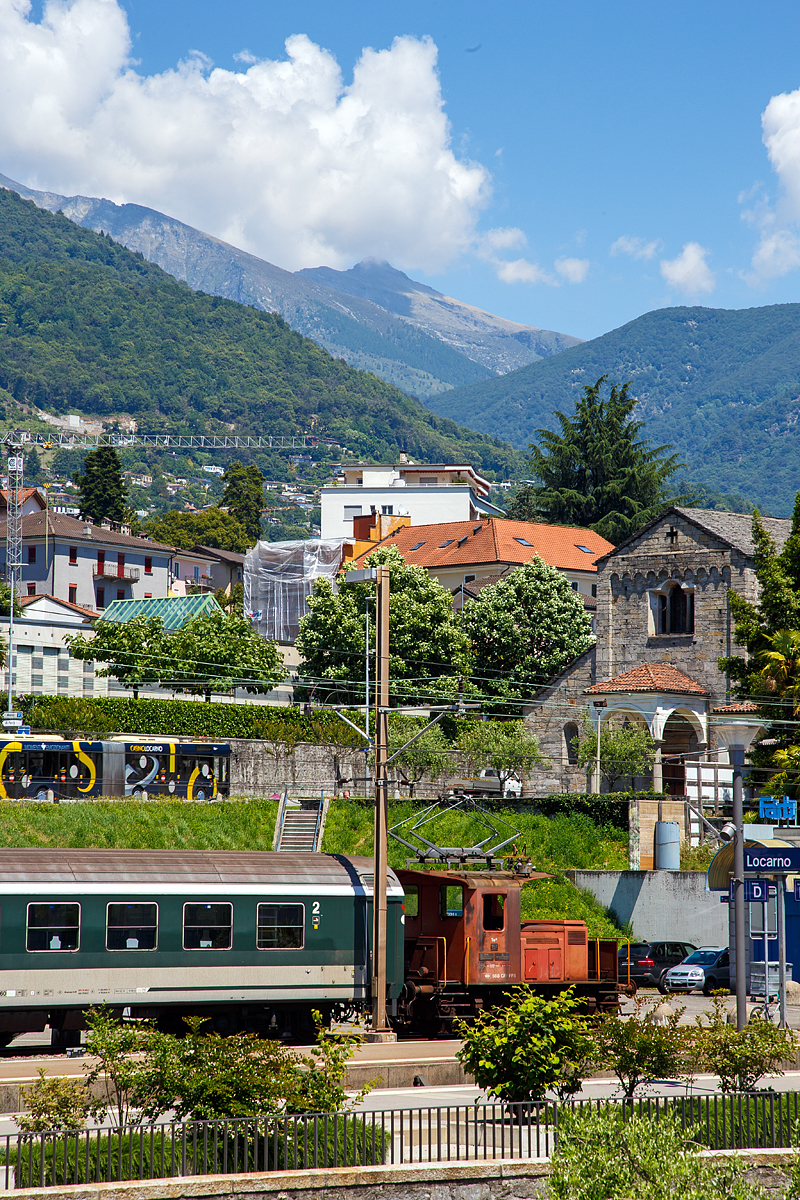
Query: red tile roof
<point x="26" y="600"/>
<point x="650" y="677"/>
<point x="493" y="540"/>
<point x="740" y="706"/>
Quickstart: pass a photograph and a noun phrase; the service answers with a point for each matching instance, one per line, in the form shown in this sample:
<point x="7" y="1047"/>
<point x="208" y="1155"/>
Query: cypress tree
<point x="102" y="491"/>
<point x="244" y="497"/>
<point x="597" y="472"/>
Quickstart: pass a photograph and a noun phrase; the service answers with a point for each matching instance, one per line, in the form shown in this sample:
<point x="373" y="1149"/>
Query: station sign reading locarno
<point x="779" y="859"/>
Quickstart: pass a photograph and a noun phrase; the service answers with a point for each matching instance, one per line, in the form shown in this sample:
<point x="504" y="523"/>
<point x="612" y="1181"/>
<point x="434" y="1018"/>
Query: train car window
<point x="452" y="897"/>
<point x="207" y="926"/>
<point x="280" y="927"/>
<point x="411" y="906"/>
<point x="131" y="927"/>
<point x="494" y="911"/>
<point x="53" y="927"/>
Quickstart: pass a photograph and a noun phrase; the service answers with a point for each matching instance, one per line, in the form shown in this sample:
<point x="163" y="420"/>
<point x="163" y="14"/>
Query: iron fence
<point x="392" y="1137"/>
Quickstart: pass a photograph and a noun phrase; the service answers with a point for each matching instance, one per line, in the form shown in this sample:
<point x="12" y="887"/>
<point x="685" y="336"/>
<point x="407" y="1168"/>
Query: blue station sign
<point x="777" y="860"/>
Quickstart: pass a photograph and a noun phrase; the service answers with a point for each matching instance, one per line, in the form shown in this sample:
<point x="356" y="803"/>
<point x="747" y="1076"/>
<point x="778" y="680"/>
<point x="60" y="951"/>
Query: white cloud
<point x="689" y="272"/>
<point x="503" y="239"/>
<point x="284" y="159"/>
<point x="574" y="270"/>
<point x="522" y="271"/>
<point x="636" y="247"/>
<point x="778" y="249"/>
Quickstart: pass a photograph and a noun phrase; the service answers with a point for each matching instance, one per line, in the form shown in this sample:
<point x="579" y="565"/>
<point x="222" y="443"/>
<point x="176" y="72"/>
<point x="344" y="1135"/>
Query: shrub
<point x="55" y="1103"/>
<point x="741" y="1057"/>
<point x="519" y="1051"/>
<point x="612" y="1154"/>
<point x="638" y="1049"/>
<point x="186" y="719"/>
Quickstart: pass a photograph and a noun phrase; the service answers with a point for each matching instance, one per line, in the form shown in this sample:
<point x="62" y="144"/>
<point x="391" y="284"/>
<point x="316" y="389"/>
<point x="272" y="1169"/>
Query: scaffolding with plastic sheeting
<point x="278" y="579"/>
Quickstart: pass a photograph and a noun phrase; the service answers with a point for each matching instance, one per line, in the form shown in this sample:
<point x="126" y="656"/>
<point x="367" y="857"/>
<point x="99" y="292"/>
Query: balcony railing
<point x="115" y="571"/>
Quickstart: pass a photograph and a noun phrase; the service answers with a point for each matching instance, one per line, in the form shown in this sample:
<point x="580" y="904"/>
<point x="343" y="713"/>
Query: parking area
<point x="695" y="1003"/>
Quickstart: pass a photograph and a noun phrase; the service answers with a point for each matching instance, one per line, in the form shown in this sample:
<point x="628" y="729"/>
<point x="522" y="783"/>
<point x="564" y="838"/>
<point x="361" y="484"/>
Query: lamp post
<point x="737" y="734"/>
<point x="599" y="705"/>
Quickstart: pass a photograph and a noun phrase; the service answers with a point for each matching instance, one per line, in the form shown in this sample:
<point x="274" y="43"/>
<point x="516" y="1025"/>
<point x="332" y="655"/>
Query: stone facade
<point x="662" y="598"/>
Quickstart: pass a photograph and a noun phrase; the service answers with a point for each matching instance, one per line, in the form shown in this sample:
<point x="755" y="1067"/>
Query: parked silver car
<point x="707" y="968"/>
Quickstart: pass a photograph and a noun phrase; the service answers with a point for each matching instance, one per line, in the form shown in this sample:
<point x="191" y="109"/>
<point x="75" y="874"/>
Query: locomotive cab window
<point x="131" y="927"/>
<point x="53" y="927"/>
<point x="280" y="927"/>
<point x="411" y="906"/>
<point x="207" y="926"/>
<point x="452" y="900"/>
<point x="494" y="911"/>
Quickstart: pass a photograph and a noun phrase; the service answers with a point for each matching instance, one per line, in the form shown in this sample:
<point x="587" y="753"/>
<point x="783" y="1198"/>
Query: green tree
<point x="428" y="649"/>
<point x="524" y="506"/>
<point x="523" y="630"/>
<point x="101" y="487"/>
<point x="244" y="497"/>
<point x="626" y="749"/>
<point x="503" y="746"/>
<point x="598" y="472"/>
<point x="33" y="467"/>
<point x="612" y="1154"/>
<point x="136" y="652"/>
<point x="519" y="1051"/>
<point x="119" y="1050"/>
<point x="212" y="527"/>
<point x="213" y="652"/>
<point x="767" y="629"/>
<point x="220" y="651"/>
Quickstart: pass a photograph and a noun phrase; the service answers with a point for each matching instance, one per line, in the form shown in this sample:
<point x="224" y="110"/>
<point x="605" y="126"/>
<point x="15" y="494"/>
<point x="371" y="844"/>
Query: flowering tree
<point x="523" y="630"/>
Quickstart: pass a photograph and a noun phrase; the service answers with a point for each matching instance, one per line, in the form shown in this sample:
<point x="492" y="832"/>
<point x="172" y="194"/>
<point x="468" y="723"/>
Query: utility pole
<point x="16" y="465"/>
<point x="380" y="1030"/>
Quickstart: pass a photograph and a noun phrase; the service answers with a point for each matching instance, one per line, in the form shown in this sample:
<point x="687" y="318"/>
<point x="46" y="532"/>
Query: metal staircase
<point x="300" y="825"/>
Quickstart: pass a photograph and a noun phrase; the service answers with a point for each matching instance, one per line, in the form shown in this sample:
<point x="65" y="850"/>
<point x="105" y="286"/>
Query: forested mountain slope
<point x="409" y="334"/>
<point x="87" y="325"/>
<point x="722" y="386"/>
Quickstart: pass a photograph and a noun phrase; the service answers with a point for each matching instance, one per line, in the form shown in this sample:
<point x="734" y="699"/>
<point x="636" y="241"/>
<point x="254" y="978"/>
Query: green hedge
<point x="186" y="719"/>
<point x="606" y="808"/>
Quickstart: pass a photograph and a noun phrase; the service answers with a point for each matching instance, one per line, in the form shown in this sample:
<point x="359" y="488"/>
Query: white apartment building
<point x="428" y="494"/>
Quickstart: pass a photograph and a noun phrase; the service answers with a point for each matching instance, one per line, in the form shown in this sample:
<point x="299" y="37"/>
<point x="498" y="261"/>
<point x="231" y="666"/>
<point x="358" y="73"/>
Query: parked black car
<point x="650" y="961"/>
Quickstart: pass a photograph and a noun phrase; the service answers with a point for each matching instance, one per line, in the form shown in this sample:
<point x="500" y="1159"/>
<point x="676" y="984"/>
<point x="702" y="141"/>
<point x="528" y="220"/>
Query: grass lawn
<point x="554" y="843"/>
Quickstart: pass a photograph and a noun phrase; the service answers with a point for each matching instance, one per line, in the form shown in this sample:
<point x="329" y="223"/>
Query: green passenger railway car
<point x="253" y="941"/>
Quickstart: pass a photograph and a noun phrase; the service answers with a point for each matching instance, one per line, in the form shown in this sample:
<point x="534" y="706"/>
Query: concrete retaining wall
<point x="520" y="1180"/>
<point x="661" y="904"/>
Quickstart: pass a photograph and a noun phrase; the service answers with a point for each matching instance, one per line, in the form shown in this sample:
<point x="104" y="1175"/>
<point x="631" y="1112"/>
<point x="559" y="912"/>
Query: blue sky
<point x="573" y="129"/>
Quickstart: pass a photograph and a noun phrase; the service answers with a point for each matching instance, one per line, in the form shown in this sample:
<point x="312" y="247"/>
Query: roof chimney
<point x="87" y="527"/>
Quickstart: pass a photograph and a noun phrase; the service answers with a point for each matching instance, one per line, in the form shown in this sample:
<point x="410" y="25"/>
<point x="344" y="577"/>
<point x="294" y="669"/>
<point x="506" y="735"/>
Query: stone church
<point x="663" y="620"/>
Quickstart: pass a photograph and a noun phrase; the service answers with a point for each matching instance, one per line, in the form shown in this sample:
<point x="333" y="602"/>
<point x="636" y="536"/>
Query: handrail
<point x="319" y="818"/>
<point x="466" y="962"/>
<point x="444" y="940"/>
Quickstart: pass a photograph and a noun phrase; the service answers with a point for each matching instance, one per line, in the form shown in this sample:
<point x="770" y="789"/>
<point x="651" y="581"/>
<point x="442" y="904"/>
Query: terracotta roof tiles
<point x="649" y="677"/>
<point x="467" y="543"/>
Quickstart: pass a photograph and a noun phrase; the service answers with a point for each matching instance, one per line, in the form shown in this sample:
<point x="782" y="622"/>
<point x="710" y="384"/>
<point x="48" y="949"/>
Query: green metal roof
<point x="174" y="611"/>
